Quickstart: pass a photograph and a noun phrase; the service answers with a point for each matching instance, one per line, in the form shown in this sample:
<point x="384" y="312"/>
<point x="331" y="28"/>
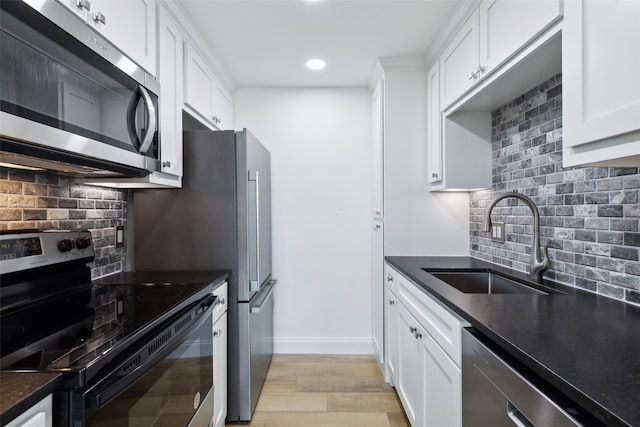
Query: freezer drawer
<point x="255" y="349"/>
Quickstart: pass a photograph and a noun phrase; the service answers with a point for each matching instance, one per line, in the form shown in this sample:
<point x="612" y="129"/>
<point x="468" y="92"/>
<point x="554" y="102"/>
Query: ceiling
<point x="265" y="43"/>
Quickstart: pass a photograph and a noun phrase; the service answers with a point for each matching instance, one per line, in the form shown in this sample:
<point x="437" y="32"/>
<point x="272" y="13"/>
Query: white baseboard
<point x="322" y="345"/>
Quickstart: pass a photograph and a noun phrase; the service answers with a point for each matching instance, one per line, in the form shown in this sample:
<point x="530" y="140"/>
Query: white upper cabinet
<point x="377" y="149"/>
<point x="434" y="125"/>
<point x="494" y="32"/>
<point x="170" y="76"/>
<point x="204" y="94"/>
<point x="130" y="25"/>
<point x="460" y="62"/>
<point x="601" y="89"/>
<point x="508" y="25"/>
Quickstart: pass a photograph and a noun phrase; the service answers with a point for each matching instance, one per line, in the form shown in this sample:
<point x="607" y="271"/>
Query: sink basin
<point x="484" y="282"/>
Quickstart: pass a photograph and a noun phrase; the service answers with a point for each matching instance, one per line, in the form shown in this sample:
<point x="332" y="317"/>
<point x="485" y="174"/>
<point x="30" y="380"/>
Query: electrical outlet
<point x="497" y="232"/>
<point x="119" y="236"/>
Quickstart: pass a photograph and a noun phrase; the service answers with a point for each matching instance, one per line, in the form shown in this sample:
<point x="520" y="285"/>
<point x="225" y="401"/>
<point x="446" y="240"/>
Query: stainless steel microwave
<point x="70" y="101"/>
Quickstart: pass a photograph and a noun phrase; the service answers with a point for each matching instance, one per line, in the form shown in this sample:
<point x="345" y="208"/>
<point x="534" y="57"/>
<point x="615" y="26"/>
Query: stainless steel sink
<point x="484" y="282"/>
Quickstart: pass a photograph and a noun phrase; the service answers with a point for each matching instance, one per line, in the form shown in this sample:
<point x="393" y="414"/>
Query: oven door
<point x="172" y="388"/>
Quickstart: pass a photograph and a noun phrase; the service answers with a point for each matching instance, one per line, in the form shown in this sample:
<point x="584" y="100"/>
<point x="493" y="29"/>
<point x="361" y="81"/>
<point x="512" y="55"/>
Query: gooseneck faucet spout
<point x="539" y="259"/>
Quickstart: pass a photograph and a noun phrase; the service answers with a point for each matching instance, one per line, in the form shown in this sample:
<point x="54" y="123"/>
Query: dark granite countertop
<point x="21" y="390"/>
<point x="586" y="345"/>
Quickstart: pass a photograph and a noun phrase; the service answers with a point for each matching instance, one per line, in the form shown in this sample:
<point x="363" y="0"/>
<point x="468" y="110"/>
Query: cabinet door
<point x="377" y="150"/>
<point x="131" y="26"/>
<point x="601" y="90"/>
<point x="442" y="387"/>
<point x="501" y="37"/>
<point x="460" y="62"/>
<point x="409" y="384"/>
<point x="170" y="69"/>
<point x="198" y="84"/>
<point x="220" y="371"/>
<point x="80" y="8"/>
<point x="378" y="292"/>
<point x="390" y="337"/>
<point x="434" y="125"/>
<point x="222" y="106"/>
<point x="39" y="415"/>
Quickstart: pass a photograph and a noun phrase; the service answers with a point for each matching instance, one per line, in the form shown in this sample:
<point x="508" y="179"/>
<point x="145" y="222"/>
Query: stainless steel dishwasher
<point x="498" y="393"/>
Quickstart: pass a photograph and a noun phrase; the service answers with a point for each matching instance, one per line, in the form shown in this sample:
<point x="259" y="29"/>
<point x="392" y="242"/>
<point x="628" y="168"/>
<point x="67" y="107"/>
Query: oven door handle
<point x="128" y="372"/>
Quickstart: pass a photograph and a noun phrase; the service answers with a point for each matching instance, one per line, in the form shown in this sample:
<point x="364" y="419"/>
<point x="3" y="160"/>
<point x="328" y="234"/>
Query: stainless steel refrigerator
<point x="220" y="220"/>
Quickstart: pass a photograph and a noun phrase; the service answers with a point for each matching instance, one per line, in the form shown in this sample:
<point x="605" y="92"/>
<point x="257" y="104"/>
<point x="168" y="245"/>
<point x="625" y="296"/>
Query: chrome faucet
<point x="539" y="261"/>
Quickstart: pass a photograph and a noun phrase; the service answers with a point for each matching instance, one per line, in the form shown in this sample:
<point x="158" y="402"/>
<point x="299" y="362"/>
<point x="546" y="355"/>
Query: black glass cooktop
<point x="76" y="330"/>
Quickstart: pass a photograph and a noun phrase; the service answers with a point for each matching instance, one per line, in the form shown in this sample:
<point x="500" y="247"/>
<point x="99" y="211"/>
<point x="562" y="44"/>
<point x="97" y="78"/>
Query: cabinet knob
<point x="83" y="4"/>
<point x="412" y="329"/>
<point x="376" y="228"/>
<point x="377" y="212"/>
<point x="215" y="119"/>
<point x="217" y="333"/>
<point x="166" y="164"/>
<point x="389" y="278"/>
<point x="475" y="74"/>
<point x="434" y="175"/>
<point x="99" y="17"/>
<point x="391" y="302"/>
<point x="418" y="335"/>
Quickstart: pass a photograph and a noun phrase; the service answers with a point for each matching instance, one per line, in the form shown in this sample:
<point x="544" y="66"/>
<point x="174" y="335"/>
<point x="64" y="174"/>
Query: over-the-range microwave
<point x="70" y="101"/>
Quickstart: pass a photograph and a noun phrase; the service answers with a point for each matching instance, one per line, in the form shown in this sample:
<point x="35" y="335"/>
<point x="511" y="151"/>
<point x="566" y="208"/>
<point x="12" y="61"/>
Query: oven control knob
<point x="65" y="245"/>
<point x="83" y="242"/>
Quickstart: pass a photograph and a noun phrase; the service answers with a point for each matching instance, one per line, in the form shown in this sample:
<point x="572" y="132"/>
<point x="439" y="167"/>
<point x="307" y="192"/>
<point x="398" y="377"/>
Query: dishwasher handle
<point x="517" y="417"/>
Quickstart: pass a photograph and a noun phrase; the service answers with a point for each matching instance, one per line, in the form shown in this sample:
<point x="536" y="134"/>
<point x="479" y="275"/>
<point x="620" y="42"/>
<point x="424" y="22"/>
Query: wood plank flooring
<point x="327" y="391"/>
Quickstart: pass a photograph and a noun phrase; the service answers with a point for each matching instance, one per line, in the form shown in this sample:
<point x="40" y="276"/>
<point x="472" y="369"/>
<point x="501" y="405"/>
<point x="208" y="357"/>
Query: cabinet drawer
<point x="223" y="301"/>
<point x="391" y="278"/>
<point x="442" y="325"/>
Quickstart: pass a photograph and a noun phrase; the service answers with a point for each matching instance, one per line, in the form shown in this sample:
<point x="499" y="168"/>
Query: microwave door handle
<point x="147" y="139"/>
<point x="255" y="176"/>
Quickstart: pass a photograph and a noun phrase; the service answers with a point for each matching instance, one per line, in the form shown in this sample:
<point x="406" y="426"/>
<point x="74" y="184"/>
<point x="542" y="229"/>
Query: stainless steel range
<point x="130" y="353"/>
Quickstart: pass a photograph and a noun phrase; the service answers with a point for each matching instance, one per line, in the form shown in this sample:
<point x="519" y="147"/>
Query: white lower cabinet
<point x="220" y="357"/>
<point x="377" y="292"/>
<point x="424" y="354"/>
<point x="39" y="415"/>
<point x="390" y="336"/>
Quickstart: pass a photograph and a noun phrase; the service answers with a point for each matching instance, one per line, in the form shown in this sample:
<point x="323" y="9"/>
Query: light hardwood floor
<point x="327" y="391"/>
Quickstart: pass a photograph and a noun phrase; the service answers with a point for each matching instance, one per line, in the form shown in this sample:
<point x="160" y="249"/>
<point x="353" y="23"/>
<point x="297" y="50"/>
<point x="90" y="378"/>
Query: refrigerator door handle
<point x="261" y="300"/>
<point x="254" y="176"/>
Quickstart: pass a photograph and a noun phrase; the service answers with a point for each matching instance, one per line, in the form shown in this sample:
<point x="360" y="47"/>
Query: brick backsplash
<point x="36" y="200"/>
<point x="589" y="217"/>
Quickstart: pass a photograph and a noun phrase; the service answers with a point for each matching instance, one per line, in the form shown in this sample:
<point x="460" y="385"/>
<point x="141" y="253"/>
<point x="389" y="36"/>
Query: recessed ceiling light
<point x="315" y="64"/>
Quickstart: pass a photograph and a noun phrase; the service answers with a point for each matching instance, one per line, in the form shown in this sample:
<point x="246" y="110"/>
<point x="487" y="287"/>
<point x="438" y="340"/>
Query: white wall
<point x="319" y="141"/>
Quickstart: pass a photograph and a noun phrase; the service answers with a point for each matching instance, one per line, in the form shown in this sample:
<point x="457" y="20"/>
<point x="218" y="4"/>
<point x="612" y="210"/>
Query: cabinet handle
<point x="221" y="301"/>
<point x="83" y="4"/>
<point x="99" y="17"/>
<point x="376" y="228"/>
<point x="166" y="164"/>
<point x="475" y="74"/>
<point x="215" y="119"/>
<point x="377" y="212"/>
<point x="217" y="333"/>
<point x="389" y="278"/>
<point x="418" y="335"/>
<point x="412" y="329"/>
<point x="434" y="175"/>
<point x="391" y="302"/>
